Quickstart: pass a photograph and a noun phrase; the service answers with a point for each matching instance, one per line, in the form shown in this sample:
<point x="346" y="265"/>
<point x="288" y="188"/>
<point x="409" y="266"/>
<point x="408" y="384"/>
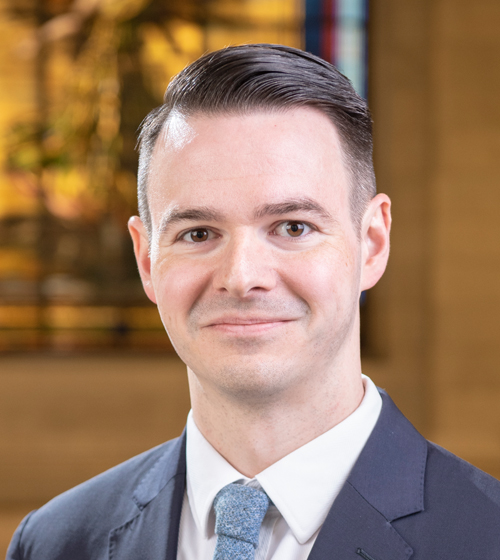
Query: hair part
<point x="249" y="78"/>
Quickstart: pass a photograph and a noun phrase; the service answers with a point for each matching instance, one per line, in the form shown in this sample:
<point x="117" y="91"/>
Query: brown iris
<point x="294" y="228"/>
<point x="198" y="235"/>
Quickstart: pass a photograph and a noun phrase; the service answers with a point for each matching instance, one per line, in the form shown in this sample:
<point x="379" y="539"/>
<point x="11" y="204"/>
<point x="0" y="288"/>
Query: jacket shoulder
<point x="76" y="524"/>
<point x="449" y="471"/>
<point x="461" y="514"/>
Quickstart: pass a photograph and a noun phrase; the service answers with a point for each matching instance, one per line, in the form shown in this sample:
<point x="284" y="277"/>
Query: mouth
<point x="247" y="326"/>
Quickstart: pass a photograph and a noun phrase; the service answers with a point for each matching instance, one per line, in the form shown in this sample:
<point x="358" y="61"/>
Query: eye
<point x="198" y="235"/>
<point x="292" y="229"/>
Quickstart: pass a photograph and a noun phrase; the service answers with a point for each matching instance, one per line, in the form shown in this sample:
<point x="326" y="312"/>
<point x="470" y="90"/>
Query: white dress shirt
<point x="302" y="486"/>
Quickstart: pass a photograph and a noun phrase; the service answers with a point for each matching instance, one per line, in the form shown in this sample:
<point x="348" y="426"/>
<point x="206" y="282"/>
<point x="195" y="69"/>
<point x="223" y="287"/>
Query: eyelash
<point x="208" y="229"/>
<point x="202" y="228"/>
<point x="306" y="224"/>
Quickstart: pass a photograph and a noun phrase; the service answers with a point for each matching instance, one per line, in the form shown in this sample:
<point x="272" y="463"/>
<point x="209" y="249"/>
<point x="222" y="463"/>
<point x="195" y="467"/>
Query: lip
<point x="247" y="326"/>
<point x="241" y="320"/>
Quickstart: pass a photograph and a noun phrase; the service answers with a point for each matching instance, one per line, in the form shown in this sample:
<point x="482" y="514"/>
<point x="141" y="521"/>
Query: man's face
<point x="254" y="260"/>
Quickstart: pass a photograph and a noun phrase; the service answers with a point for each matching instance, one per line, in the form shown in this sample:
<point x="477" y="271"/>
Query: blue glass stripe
<point x="351" y="47"/>
<point x="313" y="27"/>
<point x="351" y="9"/>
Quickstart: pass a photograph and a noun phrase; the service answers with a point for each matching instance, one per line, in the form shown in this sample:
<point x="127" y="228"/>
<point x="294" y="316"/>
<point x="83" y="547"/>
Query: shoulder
<point x="451" y="475"/>
<point x="461" y="514"/>
<point x="411" y="460"/>
<point x="441" y="505"/>
<point x="76" y="523"/>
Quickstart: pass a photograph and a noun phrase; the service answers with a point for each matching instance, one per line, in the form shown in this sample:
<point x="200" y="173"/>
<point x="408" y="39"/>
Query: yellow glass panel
<point x="12" y="316"/>
<point x="68" y="317"/>
<point x="142" y="318"/>
<point x="18" y="262"/>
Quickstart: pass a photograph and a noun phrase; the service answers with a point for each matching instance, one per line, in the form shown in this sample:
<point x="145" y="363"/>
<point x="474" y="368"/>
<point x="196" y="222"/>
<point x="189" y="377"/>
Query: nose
<point x="245" y="267"/>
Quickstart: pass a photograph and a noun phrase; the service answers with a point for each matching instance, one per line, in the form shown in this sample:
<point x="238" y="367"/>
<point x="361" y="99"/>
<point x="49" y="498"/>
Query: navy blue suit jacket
<point x="405" y="498"/>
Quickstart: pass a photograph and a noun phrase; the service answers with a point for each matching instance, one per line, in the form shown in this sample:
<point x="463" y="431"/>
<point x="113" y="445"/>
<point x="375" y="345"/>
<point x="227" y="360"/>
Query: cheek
<point x="324" y="279"/>
<point x="177" y="286"/>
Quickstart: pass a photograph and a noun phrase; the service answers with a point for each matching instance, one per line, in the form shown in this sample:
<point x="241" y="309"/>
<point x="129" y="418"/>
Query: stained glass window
<point x="337" y="31"/>
<point x="78" y="78"/>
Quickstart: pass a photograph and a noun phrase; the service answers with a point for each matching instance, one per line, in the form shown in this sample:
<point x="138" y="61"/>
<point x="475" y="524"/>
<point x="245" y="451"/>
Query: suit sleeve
<point x="15" y="550"/>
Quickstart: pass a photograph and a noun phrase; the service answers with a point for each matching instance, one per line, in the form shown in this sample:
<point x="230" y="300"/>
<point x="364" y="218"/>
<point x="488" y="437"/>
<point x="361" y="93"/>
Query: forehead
<point x="251" y="159"/>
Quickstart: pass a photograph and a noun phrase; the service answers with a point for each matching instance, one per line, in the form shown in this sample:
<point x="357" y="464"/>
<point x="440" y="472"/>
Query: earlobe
<point x="140" y="240"/>
<point x="375" y="240"/>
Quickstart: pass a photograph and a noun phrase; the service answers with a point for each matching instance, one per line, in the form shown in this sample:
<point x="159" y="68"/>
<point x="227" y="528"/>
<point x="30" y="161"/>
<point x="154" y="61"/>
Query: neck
<point x="252" y="435"/>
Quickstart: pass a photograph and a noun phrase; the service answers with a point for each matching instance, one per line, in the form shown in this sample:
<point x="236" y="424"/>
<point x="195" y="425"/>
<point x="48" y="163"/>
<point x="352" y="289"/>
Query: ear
<point x="375" y="232"/>
<point x="141" y="250"/>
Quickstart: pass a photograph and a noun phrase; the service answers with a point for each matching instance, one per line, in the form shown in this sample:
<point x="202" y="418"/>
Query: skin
<point x="257" y="269"/>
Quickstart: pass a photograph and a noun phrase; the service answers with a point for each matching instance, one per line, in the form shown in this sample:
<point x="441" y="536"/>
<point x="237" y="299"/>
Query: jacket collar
<point x="386" y="483"/>
<point x="390" y="471"/>
<point x="169" y="465"/>
<point x="152" y="524"/>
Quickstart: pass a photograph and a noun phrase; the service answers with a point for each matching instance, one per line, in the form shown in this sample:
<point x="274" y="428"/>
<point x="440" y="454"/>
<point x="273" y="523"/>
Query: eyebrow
<point x="207" y="214"/>
<point x="203" y="213"/>
<point x="293" y="205"/>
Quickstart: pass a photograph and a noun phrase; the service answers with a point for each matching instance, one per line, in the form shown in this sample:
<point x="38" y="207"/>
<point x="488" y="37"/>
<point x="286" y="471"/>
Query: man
<point x="259" y="228"/>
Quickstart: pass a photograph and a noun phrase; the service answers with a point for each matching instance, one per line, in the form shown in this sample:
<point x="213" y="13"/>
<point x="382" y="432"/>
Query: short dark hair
<point x="247" y="78"/>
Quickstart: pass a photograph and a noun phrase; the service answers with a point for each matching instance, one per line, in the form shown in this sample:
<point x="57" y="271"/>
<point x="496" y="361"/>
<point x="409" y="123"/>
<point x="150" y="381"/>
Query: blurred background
<point x="88" y="378"/>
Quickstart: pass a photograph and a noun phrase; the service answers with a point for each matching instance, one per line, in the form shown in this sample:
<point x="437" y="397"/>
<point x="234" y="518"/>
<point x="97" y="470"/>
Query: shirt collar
<point x="207" y="473"/>
<point x="303" y="485"/>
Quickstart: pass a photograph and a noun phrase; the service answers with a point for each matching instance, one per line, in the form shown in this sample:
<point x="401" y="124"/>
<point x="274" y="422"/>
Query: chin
<point x="251" y="379"/>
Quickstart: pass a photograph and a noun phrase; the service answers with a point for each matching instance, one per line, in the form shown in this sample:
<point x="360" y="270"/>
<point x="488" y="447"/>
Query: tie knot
<point x="239" y="512"/>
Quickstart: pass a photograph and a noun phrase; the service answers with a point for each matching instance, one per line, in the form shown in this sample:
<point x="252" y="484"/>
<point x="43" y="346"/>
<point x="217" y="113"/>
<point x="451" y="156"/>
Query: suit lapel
<point x="152" y="525"/>
<point x="386" y="483"/>
<point x="353" y="528"/>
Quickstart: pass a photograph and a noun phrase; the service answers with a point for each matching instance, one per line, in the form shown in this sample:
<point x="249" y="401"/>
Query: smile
<point x="247" y="327"/>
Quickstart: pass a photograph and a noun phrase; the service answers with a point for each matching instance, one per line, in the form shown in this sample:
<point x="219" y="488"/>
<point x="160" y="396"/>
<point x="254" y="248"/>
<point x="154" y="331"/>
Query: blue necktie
<point x="239" y="511"/>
